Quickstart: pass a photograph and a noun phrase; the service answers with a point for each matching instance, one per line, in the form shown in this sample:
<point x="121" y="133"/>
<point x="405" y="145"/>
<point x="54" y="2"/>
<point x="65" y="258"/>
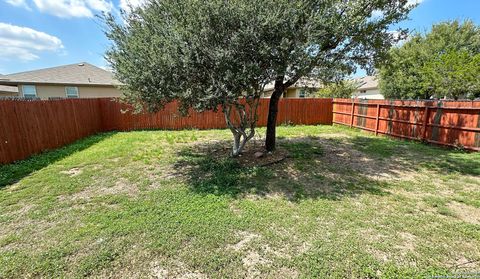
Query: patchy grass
<point x="170" y="204"/>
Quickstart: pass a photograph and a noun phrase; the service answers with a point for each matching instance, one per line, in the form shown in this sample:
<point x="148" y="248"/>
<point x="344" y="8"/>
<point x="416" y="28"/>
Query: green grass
<point x="170" y="204"/>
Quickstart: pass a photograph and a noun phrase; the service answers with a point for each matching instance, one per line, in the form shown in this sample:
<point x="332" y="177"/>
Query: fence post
<point x="351" y="115"/>
<point x="425" y="120"/>
<point x="378" y="116"/>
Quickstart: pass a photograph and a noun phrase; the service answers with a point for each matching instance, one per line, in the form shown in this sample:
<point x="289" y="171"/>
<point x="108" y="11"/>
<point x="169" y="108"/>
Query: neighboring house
<point x="301" y="89"/>
<point x="368" y="88"/>
<point x="80" y="80"/>
<point x="8" y="91"/>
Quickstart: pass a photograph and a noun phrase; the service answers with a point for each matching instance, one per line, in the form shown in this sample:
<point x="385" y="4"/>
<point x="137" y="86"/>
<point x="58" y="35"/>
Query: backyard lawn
<point x="170" y="204"/>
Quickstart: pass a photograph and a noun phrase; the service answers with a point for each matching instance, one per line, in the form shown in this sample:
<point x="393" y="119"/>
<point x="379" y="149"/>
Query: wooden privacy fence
<point x="295" y="111"/>
<point x="449" y="123"/>
<point x="30" y="127"/>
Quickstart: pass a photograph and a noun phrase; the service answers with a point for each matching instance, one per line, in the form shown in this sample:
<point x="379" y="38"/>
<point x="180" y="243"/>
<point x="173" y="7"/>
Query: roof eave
<point x="367" y="88"/>
<point x="17" y="83"/>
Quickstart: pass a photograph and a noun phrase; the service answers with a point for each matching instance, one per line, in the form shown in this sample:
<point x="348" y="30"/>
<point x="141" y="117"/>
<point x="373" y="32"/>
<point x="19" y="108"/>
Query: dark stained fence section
<point x="30" y="127"/>
<point x="451" y="123"/>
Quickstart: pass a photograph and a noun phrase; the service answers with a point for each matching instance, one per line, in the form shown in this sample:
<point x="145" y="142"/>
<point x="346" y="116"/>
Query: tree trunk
<point x="244" y="130"/>
<point x="236" y="145"/>
<point x="240" y="140"/>
<point x="272" y="119"/>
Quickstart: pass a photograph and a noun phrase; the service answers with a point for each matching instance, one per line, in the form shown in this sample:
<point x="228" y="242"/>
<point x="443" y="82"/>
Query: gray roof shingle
<point x="74" y="74"/>
<point x="367" y="82"/>
<point x="301" y="83"/>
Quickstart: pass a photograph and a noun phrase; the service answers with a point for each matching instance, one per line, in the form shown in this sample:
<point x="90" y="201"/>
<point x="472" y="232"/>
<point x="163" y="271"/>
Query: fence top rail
<point x="407" y="106"/>
<point x="413" y="100"/>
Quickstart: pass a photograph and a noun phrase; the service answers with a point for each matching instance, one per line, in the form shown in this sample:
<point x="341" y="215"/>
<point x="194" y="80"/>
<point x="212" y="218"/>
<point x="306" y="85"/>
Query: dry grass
<point x="331" y="203"/>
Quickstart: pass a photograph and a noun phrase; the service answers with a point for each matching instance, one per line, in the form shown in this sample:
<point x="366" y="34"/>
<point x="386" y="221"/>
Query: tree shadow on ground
<point x="316" y="168"/>
<point x="14" y="172"/>
<point x="414" y="155"/>
<point x="311" y="170"/>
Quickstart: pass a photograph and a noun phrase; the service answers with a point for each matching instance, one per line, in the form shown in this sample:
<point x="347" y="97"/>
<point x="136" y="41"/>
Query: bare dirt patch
<point x="24" y="209"/>
<point x="247" y="237"/>
<point x="159" y="272"/>
<point x="250" y="155"/>
<point x="258" y="256"/>
<point x="251" y="263"/>
<point x="72" y="172"/>
<point x="20" y="214"/>
<point x="465" y="212"/>
<point x="121" y="187"/>
<point x="463" y="263"/>
<point x="345" y="155"/>
<point x="234" y="208"/>
<point x="162" y="173"/>
<point x="285" y="272"/>
<point x="408" y="242"/>
<point x="176" y="270"/>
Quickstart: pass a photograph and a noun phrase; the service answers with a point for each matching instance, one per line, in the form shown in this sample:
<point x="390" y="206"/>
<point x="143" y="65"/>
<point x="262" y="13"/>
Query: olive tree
<point x="207" y="55"/>
<point x="217" y="53"/>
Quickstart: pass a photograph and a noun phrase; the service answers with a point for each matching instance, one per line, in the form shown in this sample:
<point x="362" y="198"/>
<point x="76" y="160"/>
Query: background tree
<point x="341" y="89"/>
<point x="207" y="54"/>
<point x="437" y="64"/>
<point x="456" y="74"/>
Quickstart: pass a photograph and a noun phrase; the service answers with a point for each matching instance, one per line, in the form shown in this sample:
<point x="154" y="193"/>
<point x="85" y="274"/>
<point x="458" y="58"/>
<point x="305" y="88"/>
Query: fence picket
<point x="455" y="127"/>
<point x="28" y="127"/>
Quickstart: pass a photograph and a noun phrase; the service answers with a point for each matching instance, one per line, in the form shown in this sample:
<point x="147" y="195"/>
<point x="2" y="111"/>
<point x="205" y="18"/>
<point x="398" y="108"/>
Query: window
<point x="72" y="92"/>
<point x="302" y="93"/>
<point x="29" y="91"/>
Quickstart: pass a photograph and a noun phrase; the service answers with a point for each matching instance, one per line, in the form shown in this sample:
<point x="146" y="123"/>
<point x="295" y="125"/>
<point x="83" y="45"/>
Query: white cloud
<point x="25" y="43"/>
<point x="100" y="5"/>
<point x="414" y="2"/>
<point x="20" y="53"/>
<point x="126" y="4"/>
<point x="19" y="3"/>
<point x="395" y="34"/>
<point x="73" y="8"/>
<point x="402" y="38"/>
<point x="378" y="13"/>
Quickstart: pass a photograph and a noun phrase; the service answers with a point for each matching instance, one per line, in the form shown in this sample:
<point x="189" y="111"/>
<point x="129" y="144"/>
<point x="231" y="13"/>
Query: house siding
<point x="290" y="93"/>
<point x="369" y="94"/>
<point x="58" y="91"/>
<point x="8" y="94"/>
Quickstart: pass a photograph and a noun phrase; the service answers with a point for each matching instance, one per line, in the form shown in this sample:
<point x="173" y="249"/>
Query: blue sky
<point x="45" y="33"/>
